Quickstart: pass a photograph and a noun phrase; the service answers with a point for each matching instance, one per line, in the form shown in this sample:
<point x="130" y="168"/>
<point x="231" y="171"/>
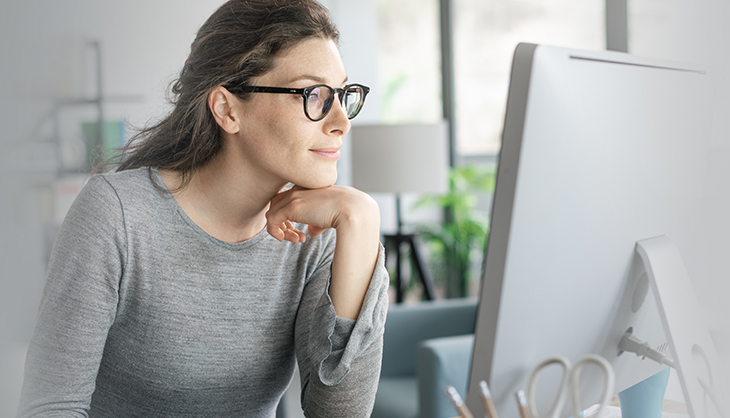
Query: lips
<point x="332" y="153"/>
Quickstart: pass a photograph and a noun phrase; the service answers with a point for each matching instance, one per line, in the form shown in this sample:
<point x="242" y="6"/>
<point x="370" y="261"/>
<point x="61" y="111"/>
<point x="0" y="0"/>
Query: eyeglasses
<point x="318" y="99"/>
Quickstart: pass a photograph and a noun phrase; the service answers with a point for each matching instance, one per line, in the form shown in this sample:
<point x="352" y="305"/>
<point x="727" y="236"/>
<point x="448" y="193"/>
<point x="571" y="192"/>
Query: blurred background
<point x="78" y="76"/>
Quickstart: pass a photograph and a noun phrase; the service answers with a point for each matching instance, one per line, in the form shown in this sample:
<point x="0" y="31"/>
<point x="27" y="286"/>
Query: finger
<point x="286" y="231"/>
<point x="291" y="236"/>
<point x="301" y="236"/>
<point x="315" y="230"/>
<point x="276" y="231"/>
<point x="292" y="233"/>
<point x="279" y="227"/>
<point x="285" y="193"/>
<point x="280" y="196"/>
<point x="283" y="208"/>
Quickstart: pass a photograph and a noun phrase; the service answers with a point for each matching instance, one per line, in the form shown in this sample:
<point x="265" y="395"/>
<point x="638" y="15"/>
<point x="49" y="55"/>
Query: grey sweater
<point x="146" y="315"/>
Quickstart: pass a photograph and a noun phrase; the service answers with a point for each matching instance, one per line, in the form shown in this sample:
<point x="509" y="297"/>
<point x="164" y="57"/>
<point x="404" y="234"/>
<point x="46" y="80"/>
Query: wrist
<point x="360" y="216"/>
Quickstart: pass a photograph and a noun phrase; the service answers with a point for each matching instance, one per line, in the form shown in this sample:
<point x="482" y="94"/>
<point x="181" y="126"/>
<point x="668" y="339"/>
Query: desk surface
<point x="671" y="409"/>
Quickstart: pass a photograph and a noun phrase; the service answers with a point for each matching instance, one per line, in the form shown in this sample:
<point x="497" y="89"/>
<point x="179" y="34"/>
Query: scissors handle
<point x="557" y="406"/>
<point x="609" y="379"/>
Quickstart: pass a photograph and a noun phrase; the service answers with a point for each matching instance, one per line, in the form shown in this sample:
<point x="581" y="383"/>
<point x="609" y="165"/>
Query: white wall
<point x="697" y="31"/>
<point x="46" y="57"/>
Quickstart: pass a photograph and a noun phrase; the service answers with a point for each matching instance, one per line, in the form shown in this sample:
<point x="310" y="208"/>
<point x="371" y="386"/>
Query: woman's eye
<point x="313" y="98"/>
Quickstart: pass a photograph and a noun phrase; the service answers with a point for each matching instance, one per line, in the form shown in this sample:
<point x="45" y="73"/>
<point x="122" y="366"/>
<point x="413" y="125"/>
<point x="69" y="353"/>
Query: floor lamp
<point x="401" y="159"/>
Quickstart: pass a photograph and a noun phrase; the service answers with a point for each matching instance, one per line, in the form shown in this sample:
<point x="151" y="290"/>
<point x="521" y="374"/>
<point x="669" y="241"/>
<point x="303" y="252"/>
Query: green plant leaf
<point x="453" y="244"/>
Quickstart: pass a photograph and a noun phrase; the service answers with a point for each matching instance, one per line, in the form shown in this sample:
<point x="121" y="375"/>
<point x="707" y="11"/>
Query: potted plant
<point x="457" y="244"/>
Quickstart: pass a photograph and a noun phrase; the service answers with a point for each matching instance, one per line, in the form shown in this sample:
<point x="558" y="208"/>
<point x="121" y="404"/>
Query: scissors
<point x="569" y="383"/>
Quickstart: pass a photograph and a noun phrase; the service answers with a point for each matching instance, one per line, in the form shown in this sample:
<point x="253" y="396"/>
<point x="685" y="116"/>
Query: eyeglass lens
<point x="319" y="100"/>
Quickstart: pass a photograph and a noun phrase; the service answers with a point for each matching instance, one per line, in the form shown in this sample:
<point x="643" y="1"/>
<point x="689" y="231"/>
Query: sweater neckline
<point x="157" y="178"/>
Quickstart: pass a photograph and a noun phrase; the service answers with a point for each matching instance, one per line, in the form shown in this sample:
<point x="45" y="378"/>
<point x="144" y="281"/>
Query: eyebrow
<point x="316" y="79"/>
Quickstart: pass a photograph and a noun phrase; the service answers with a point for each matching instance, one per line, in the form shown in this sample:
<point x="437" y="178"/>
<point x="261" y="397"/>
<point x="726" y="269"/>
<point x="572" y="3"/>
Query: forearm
<point x="356" y="253"/>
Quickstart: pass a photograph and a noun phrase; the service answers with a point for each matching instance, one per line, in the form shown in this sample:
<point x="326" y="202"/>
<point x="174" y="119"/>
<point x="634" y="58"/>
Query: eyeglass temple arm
<point x="263" y="89"/>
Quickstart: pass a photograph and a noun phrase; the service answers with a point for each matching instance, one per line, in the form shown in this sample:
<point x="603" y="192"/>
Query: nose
<point x="337" y="120"/>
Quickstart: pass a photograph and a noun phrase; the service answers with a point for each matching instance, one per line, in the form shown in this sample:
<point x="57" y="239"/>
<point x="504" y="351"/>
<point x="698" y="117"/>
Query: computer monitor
<point x="600" y="151"/>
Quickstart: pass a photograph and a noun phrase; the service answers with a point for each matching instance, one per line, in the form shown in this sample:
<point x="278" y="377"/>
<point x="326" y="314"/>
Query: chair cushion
<point x="442" y="362"/>
<point x="397" y="397"/>
<point x="408" y="325"/>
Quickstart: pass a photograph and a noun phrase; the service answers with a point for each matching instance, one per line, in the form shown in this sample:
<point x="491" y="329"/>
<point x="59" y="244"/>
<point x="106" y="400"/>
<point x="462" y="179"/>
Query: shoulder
<point x="132" y="188"/>
<point x="95" y="215"/>
<point x="139" y="179"/>
<point x="113" y="182"/>
<point x="112" y="195"/>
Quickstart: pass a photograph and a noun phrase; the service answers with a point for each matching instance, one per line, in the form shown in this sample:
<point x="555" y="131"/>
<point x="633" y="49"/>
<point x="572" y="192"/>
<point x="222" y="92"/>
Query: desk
<point x="671" y="409"/>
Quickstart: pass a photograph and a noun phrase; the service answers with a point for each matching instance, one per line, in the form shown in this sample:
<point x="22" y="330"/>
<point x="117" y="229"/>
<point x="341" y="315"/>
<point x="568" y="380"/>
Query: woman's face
<point x="277" y="139"/>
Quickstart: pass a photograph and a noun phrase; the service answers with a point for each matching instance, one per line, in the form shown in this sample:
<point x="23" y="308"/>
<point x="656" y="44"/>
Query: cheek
<point x="265" y="128"/>
<point x="279" y="141"/>
<point x="274" y="129"/>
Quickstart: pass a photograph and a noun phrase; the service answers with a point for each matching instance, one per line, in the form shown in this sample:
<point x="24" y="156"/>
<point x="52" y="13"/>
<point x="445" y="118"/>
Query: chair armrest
<point x="407" y="325"/>
<point x="442" y="362"/>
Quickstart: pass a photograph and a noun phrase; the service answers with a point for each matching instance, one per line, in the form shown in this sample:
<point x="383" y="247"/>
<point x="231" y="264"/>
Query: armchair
<point x="427" y="346"/>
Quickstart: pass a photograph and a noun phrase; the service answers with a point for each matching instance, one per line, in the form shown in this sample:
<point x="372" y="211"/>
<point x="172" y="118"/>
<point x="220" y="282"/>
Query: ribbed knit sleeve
<point x="78" y="306"/>
<point x="340" y="358"/>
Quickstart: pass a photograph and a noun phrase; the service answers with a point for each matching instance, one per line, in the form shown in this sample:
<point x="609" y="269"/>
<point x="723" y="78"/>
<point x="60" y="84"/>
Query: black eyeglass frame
<point x="305" y="92"/>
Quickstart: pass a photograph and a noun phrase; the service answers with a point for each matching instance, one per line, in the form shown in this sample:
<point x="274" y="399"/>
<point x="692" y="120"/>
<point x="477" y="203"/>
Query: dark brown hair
<point x="237" y="43"/>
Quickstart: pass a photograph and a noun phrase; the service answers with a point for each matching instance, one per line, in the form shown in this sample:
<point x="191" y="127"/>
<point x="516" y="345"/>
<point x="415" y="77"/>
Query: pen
<point x="522" y="404"/>
<point x="458" y="402"/>
<point x="487" y="400"/>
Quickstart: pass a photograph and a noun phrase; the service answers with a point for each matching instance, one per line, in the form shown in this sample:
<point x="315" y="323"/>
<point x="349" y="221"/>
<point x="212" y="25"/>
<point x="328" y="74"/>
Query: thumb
<point x="315" y="230"/>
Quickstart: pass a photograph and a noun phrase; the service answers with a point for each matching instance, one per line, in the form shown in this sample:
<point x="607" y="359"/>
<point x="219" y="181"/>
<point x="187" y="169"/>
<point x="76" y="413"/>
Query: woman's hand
<point x="354" y="215"/>
<point x="321" y="209"/>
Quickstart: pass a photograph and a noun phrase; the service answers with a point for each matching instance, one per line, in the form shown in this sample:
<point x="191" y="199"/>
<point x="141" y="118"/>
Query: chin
<point x="318" y="181"/>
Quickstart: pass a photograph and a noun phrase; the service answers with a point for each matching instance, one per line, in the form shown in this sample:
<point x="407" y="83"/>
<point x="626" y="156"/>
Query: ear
<point x="220" y="103"/>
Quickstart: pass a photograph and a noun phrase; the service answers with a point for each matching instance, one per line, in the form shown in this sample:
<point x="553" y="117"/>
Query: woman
<point x="184" y="284"/>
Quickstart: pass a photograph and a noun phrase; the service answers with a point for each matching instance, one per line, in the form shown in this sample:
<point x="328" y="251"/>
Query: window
<point x="485" y="36"/>
<point x="409" y="61"/>
<point x="652" y="27"/>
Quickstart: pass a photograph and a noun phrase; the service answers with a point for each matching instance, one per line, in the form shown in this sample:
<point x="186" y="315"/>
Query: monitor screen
<point x="600" y="150"/>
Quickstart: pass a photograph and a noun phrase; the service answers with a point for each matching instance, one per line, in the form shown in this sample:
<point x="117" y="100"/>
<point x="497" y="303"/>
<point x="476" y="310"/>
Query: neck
<point x="223" y="199"/>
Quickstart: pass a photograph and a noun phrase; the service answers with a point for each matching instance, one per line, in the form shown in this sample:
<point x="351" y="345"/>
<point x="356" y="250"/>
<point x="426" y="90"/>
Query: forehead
<point x="311" y="59"/>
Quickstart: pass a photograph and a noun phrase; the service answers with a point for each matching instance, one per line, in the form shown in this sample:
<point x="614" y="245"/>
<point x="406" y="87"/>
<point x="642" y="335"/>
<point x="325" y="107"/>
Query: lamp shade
<point x="410" y="158"/>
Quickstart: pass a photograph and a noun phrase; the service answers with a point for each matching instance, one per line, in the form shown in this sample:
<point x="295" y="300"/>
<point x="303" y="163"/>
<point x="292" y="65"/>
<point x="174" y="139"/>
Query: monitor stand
<point x="691" y="346"/>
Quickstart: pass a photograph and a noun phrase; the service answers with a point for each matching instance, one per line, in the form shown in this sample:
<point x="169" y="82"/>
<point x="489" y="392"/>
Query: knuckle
<point x="296" y="204"/>
<point x="269" y="215"/>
